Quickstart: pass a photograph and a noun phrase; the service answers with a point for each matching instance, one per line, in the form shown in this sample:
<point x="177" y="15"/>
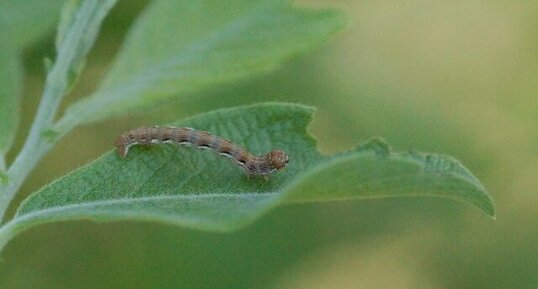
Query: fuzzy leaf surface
<point x="177" y="47"/>
<point x="202" y="190"/>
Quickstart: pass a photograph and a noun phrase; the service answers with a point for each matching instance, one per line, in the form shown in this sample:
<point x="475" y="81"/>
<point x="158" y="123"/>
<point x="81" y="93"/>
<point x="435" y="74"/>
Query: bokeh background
<point x="454" y="77"/>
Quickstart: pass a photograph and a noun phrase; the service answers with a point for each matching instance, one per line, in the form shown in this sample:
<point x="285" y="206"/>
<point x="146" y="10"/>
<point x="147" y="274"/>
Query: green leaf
<point x="202" y="190"/>
<point x="10" y="87"/>
<point x="375" y="171"/>
<point x="28" y="20"/>
<point x="183" y="46"/>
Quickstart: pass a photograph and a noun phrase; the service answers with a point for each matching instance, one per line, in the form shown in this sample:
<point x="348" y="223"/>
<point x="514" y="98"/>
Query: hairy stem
<point x="36" y="144"/>
<point x="72" y="51"/>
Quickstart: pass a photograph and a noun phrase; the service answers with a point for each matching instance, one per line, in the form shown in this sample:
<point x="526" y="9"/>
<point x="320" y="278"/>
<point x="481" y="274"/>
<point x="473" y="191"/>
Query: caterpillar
<point x="251" y="164"/>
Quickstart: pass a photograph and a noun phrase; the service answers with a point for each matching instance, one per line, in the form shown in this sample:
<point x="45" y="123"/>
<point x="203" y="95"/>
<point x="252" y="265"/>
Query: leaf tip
<point x="447" y="165"/>
<point x="490" y="208"/>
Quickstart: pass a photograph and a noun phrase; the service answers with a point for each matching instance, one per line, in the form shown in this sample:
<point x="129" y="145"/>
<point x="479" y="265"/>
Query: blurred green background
<point x="454" y="77"/>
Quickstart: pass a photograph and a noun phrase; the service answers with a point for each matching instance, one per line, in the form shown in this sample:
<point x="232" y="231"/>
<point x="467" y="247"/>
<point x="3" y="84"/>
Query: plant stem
<point x="36" y="145"/>
<point x="75" y="43"/>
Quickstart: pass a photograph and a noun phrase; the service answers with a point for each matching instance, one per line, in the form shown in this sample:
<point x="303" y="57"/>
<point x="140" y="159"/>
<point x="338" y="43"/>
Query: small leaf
<point x="183" y="46"/>
<point x="201" y="190"/>
<point x="48" y="63"/>
<point x="10" y="87"/>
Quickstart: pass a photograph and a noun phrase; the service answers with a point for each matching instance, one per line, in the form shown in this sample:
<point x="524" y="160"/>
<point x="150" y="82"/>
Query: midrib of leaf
<point x="21" y="216"/>
<point x="91" y="210"/>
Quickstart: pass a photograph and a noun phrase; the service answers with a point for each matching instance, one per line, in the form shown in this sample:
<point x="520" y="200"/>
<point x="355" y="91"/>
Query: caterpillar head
<point x="278" y="159"/>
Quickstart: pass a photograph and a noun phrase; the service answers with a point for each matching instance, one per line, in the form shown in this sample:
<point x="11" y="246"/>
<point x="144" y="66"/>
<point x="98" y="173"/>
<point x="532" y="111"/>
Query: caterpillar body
<point x="251" y="164"/>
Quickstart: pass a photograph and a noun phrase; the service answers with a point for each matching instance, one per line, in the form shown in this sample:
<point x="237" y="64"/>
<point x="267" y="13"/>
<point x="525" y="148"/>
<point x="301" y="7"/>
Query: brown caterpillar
<point x="251" y="164"/>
